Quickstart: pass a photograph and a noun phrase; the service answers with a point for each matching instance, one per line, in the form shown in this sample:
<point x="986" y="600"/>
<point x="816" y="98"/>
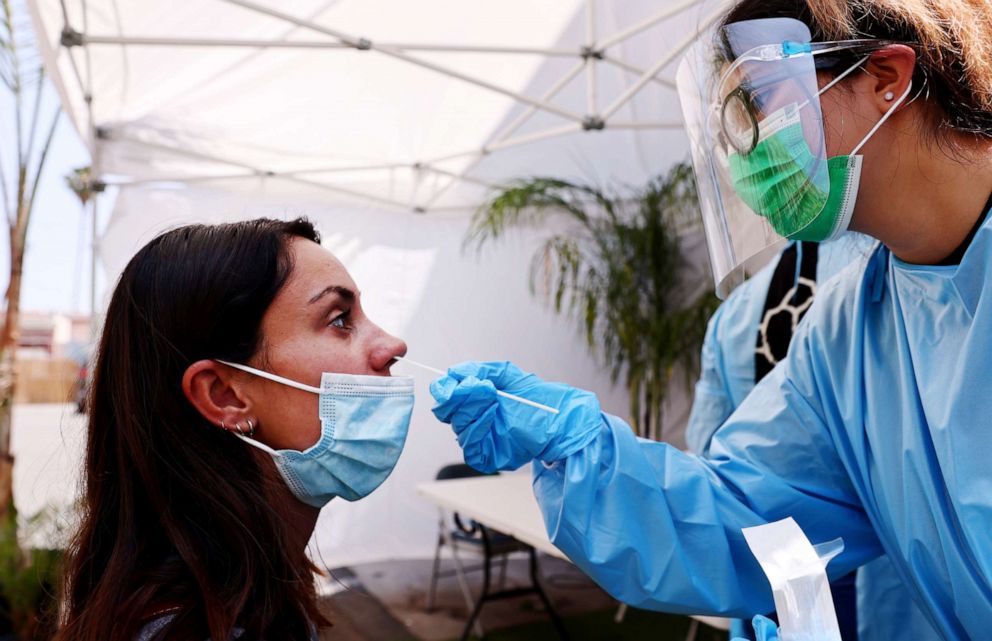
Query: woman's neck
<point x="926" y="211"/>
<point x="299" y="518"/>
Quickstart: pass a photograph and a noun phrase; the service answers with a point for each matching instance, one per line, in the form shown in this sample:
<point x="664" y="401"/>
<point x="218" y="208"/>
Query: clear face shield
<point x="751" y="104"/>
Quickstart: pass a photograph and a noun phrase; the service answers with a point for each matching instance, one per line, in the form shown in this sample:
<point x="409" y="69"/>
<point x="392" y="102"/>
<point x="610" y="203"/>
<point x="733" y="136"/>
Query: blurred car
<point x="81" y="388"/>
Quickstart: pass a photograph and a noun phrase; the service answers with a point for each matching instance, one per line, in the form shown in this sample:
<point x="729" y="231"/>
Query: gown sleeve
<point x="711" y="404"/>
<point x="660" y="529"/>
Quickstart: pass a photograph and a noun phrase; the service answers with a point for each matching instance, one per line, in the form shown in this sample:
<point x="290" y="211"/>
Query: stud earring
<point x="889" y="95"/>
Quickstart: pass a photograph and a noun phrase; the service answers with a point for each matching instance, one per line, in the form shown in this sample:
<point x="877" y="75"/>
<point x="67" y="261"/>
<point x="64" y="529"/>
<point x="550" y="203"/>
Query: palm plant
<point x="618" y="270"/>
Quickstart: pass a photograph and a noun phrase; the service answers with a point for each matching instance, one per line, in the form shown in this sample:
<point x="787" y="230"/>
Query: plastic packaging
<point x="797" y="573"/>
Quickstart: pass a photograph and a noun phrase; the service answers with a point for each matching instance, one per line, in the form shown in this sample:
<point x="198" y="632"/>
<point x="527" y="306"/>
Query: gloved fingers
<point x="505" y="375"/>
<point x="478" y="369"/>
<point x="461" y="401"/>
<point x="480" y="450"/>
<point x="476" y="457"/>
<point x="764" y="629"/>
<point x="474" y="429"/>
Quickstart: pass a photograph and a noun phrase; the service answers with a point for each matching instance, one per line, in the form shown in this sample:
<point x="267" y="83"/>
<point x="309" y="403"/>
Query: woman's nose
<point x="386" y="349"/>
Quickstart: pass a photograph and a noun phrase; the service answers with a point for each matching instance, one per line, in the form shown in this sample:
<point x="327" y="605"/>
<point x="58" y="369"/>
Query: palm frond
<point x="618" y="271"/>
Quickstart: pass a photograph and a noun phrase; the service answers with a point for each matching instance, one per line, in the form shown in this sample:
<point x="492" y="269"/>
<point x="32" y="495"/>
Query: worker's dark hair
<point x="174" y="509"/>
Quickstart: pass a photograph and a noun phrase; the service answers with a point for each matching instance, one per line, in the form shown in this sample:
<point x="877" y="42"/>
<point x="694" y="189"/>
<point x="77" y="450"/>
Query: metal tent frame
<point x="589" y="56"/>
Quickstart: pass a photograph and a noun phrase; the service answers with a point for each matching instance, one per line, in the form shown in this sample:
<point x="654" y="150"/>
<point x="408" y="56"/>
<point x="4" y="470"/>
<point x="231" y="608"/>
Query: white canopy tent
<point x="387" y="122"/>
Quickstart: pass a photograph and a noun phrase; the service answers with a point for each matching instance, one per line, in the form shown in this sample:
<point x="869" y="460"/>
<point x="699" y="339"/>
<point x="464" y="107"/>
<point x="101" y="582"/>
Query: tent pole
<point x="364" y="44"/>
<point x="94" y="247"/>
<point x="591" y="57"/>
<point x="262" y="172"/>
<point x="314" y="44"/>
<point x="513" y="126"/>
<point x="664" y="14"/>
<point x="209" y="42"/>
<point x="537" y="136"/>
<point x="439" y="48"/>
<point x="551" y="93"/>
<point x="645" y="125"/>
<point x="95" y="169"/>
<point x="684" y="44"/>
<point x="178" y="179"/>
<point x="626" y="66"/>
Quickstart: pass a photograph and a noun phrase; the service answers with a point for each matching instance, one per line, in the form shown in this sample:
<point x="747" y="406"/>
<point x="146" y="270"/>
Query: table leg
<point x="535" y="579"/>
<point x="482" y="596"/>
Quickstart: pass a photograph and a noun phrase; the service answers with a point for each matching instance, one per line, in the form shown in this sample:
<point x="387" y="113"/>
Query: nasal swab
<point x="513" y="397"/>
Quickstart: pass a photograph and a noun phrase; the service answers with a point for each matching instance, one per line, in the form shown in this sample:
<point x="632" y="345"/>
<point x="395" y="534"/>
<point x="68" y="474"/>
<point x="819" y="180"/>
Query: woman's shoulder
<point x="151" y="629"/>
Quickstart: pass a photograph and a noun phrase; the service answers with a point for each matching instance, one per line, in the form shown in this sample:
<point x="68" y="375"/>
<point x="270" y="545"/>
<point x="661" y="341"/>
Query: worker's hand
<point x="764" y="630"/>
<point x="498" y="433"/>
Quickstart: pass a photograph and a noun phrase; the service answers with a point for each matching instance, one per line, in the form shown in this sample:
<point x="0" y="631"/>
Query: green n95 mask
<point x="774" y="182"/>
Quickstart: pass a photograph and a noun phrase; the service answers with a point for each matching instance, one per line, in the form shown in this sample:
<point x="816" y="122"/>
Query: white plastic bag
<point x="797" y="572"/>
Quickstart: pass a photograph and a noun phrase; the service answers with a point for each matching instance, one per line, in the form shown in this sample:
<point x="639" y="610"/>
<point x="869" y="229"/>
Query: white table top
<point x="505" y="503"/>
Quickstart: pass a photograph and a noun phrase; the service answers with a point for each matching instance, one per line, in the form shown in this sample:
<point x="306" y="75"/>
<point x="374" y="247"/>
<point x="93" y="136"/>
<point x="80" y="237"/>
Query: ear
<point x="891" y="72"/>
<point x="215" y="392"/>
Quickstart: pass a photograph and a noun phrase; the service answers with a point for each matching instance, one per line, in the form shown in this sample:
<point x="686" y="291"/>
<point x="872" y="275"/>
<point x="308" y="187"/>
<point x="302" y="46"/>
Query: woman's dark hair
<point x="953" y="41"/>
<point x="175" y="509"/>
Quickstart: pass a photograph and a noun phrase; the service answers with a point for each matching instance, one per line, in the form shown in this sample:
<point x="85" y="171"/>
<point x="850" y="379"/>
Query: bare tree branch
<point x="4" y="194"/>
<point x="29" y="204"/>
<point x="15" y="63"/>
<point x="35" y="113"/>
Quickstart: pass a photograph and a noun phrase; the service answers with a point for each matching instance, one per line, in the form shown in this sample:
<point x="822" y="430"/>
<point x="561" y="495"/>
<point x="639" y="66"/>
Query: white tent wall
<point x="191" y="131"/>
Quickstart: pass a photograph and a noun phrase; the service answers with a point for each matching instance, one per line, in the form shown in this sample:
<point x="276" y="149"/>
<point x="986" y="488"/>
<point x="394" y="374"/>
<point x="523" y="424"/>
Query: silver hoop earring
<point x="251" y="428"/>
<point x="889" y="95"/>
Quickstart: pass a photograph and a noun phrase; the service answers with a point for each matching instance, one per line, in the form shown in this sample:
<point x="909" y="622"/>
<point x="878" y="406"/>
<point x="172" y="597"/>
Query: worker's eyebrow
<point x="346" y="294"/>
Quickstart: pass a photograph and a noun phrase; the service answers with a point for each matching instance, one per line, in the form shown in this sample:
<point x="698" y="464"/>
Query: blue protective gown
<point x="876" y="428"/>
<point x="727" y="365"/>
<point x="885" y="608"/>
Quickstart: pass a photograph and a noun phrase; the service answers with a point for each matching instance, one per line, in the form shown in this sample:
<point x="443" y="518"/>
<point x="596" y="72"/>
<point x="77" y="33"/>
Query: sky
<point x="57" y="258"/>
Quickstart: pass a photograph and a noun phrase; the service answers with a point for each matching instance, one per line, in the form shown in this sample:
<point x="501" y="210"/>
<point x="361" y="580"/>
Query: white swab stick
<point x="512" y="397"/>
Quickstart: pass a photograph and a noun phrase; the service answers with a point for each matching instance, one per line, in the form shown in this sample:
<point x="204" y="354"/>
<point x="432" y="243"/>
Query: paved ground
<point x="47" y="442"/>
<point x="402" y="585"/>
<point x="385" y="602"/>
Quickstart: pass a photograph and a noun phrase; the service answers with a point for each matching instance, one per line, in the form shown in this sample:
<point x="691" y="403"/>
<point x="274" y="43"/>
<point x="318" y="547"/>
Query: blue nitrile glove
<point x="498" y="433"/>
<point x="764" y="630"/>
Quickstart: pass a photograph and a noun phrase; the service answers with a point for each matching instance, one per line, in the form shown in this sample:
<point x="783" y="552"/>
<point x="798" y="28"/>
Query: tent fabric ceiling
<point x="449" y="99"/>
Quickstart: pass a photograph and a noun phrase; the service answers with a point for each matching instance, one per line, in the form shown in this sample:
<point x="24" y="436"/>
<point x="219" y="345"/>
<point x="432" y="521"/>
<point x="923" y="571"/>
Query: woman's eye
<point x="341" y="321"/>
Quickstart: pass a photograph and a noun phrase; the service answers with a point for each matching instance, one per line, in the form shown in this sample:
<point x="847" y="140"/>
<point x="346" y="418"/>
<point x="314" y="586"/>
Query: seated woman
<point x="238" y="388"/>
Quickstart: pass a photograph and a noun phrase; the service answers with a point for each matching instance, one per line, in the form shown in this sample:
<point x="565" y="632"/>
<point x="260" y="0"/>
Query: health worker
<point x="745" y="338"/>
<point x="805" y="118"/>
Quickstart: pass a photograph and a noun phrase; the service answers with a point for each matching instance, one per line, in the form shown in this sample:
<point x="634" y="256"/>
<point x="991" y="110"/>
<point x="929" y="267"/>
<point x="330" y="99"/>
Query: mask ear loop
<point x="882" y="120"/>
<point x="847" y="72"/>
<point x="272" y="377"/>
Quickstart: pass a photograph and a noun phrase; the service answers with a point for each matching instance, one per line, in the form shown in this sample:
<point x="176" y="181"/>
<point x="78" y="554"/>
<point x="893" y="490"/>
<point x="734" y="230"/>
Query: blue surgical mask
<point x="364" y="421"/>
